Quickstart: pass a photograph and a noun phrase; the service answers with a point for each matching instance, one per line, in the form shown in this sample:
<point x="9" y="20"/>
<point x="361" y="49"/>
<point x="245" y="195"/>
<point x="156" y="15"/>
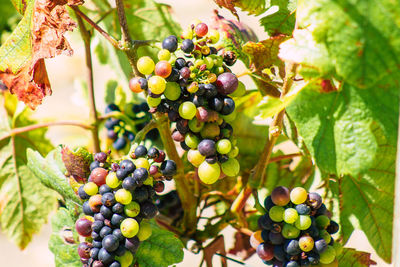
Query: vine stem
<point x="188" y="199"/>
<point x="86" y="36"/>
<point x="257" y="175"/>
<point x="96" y="26"/>
<point x="32" y="127"/>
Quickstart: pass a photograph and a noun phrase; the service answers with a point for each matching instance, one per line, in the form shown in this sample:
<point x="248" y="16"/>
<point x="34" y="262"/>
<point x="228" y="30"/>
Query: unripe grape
<point x="209" y="173"/>
<point x="144" y="231"/>
<point x="172" y="91"/>
<point x="290" y="215"/>
<point x="276" y="213"/>
<point x="298" y="195"/>
<point x="306" y="243"/>
<point x="123" y="196"/>
<point x="129" y="227"/>
<point x="187" y="110"/>
<point x="224" y="146"/>
<point x="145" y="65"/>
<point x="328" y="256"/>
<point x="213" y="35"/>
<point x="195" y="158"/>
<point x="157" y="85"/>
<point x="231" y="167"/>
<point x="91" y="188"/>
<point x="164" y="54"/>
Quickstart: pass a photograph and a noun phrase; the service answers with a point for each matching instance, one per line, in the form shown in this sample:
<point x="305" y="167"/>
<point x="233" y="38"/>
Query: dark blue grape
<point x="207" y="147"/>
<point x="111" y="107"/>
<point x="210" y="90"/>
<point x="140" y="151"/>
<point x="292" y="247"/>
<point x="121" y="248"/>
<point x="110" y="243"/>
<point x="97" y="226"/>
<point x="187" y="46"/>
<point x="86" y="209"/>
<point x="216" y="104"/>
<point x="148" y="210"/>
<point x="333" y="227"/>
<point x="168" y="168"/>
<point x="116" y="219"/>
<point x="140" y="174"/>
<point x="103" y="189"/>
<point x="120" y="143"/>
<point x="228" y="106"/>
<point x="170" y="43"/>
<point x="211" y="159"/>
<point x="174" y="76"/>
<point x="118" y="208"/>
<point x="82" y="194"/>
<point x="141" y="194"/>
<point x="106" y="212"/>
<point x="132" y="244"/>
<point x="111" y="134"/>
<point x="129" y="183"/>
<point x="121" y="174"/>
<point x="320" y="245"/>
<point x="118" y="234"/>
<point x="265" y="222"/>
<point x="105" y="256"/>
<point x="153" y="153"/>
<point x="276" y="238"/>
<point x="105" y="231"/>
<point x="292" y="264"/>
<point x="96" y="236"/>
<point x="94" y="252"/>
<point x="279" y="253"/>
<point x="127" y="165"/>
<point x="131" y="136"/>
<point x="313" y="257"/>
<point x="111" y="123"/>
<point x="180" y="63"/>
<point x="268" y="204"/>
<point x="115" y="264"/>
<point x="94" y="165"/>
<point x="303" y="209"/>
<point x="96" y="244"/>
<point x="98" y="217"/>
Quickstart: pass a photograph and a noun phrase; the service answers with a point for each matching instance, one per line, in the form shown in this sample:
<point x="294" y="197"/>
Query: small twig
<point x="283" y="157"/>
<point x="142" y="133"/>
<point x="96" y="26"/>
<point x="86" y="37"/>
<point x="32" y="127"/>
<point x="257" y="176"/>
<point x="126" y="36"/>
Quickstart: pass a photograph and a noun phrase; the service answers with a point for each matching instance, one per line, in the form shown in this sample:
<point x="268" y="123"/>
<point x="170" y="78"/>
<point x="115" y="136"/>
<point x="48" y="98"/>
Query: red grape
<point x="227" y="83"/>
<point x="84" y="250"/>
<point x="265" y="251"/>
<point x="163" y="68"/>
<point x="83" y="227"/>
<point x="98" y="176"/>
<point x="280" y="196"/>
<point x="201" y="29"/>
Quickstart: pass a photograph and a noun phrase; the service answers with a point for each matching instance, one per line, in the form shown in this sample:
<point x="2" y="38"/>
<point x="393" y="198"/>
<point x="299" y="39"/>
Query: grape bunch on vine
<point x="167" y="137"/>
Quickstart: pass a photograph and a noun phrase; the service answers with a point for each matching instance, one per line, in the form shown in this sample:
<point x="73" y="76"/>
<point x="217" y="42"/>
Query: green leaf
<point x="253" y="7"/>
<point x="162" y="249"/>
<point x="26" y="203"/>
<point x="347" y="135"/>
<point x="111" y="86"/>
<point x="8" y="13"/>
<point x="280" y="17"/>
<point x="270" y="106"/>
<point x="362" y="38"/>
<point x="65" y="250"/>
<point x="354" y="258"/>
<point x="17" y="50"/>
<point x="50" y="171"/>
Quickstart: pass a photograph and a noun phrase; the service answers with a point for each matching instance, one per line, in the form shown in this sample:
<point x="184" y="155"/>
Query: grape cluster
<point x="194" y="86"/>
<point x="116" y="130"/>
<point x="296" y="230"/>
<point x="119" y="199"/>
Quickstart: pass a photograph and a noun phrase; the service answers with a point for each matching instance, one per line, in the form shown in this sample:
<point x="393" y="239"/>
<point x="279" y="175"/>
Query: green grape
<point x="145" y="65"/>
<point x="306" y="243"/>
<point x="112" y="180"/>
<point x="187" y="110"/>
<point x="234" y="152"/>
<point x="322" y="221"/>
<point x="195" y="158"/>
<point x="298" y="195"/>
<point x="224" y="146"/>
<point x="142" y="163"/>
<point x="195" y="125"/>
<point x="328" y="256"/>
<point x="123" y="196"/>
<point x="157" y="84"/>
<point x="132" y="209"/>
<point x="144" y="231"/>
<point x="209" y="173"/>
<point x="172" y="91"/>
<point x="290" y="215"/>
<point x="240" y="90"/>
<point x="187" y="34"/>
<point x="129" y="227"/>
<point x="149" y="181"/>
<point x="325" y="235"/>
<point x="210" y="130"/>
<point x="303" y="222"/>
<point x="198" y="62"/>
<point x="191" y="140"/>
<point x="338" y="248"/>
<point x="231" y="167"/>
<point x="209" y="62"/>
<point x="153" y="102"/>
<point x="213" y="35"/>
<point x="289" y="231"/>
<point x="164" y="54"/>
<point x="91" y="188"/>
<point x="126" y="259"/>
<point x="276" y="213"/>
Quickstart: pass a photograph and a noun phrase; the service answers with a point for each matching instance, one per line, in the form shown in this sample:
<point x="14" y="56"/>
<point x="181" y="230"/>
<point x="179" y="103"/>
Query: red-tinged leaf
<point x="77" y="162"/>
<point x="39" y="35"/>
<point x="242" y="246"/>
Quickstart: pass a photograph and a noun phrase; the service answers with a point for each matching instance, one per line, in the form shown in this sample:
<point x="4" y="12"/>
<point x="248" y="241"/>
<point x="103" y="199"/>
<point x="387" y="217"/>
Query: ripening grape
<point x="298" y="195"/>
<point x="328" y="256"/>
<point x="280" y="196"/>
<point x="213" y="35"/>
<point x="164" y="54"/>
<point x="290" y="215"/>
<point x="265" y="251"/>
<point x="129" y="227"/>
<point x="163" y="69"/>
<point x="231" y="167"/>
<point x="187" y="110"/>
<point x="276" y="213"/>
<point x="201" y="29"/>
<point x="153" y="102"/>
<point x="195" y="158"/>
<point x="306" y="243"/>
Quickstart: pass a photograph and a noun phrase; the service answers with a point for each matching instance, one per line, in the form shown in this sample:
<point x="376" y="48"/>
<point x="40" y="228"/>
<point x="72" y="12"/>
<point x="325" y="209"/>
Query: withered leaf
<point x="41" y="32"/>
<point x="77" y="162"/>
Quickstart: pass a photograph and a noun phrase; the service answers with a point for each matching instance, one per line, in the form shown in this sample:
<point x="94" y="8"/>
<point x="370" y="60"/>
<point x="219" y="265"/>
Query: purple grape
<point x="227" y="83"/>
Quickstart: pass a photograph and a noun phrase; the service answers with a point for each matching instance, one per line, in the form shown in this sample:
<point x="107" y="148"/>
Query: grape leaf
<point x="361" y="38"/>
<point x="280" y="17"/>
<point x="64" y="240"/>
<point x="347" y="135"/>
<point x="111" y="86"/>
<point x="255" y="7"/>
<point x="26" y="203"/>
<point x="162" y="249"/>
<point x="77" y="162"/>
<point x="39" y="35"/>
<point x="354" y="258"/>
<point x="51" y="172"/>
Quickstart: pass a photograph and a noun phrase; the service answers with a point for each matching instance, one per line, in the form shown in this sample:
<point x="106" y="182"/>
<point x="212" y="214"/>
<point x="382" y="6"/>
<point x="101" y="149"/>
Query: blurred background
<point x="68" y="103"/>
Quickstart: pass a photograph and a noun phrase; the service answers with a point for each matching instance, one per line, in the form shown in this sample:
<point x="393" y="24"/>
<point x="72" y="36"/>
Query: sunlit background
<point x="67" y="103"/>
